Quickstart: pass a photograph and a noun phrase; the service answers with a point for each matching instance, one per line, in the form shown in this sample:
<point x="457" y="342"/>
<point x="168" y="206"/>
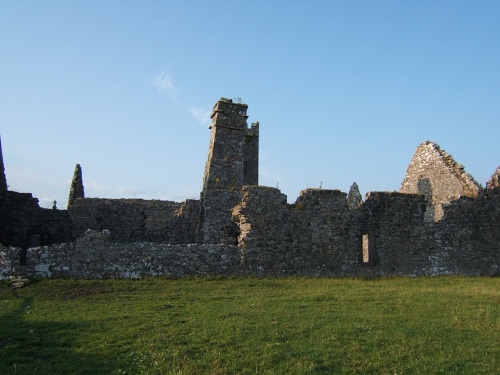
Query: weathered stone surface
<point x="494" y="181"/>
<point x="233" y="160"/>
<point x="76" y="189"/>
<point x="316" y="236"/>
<point x="96" y="256"/>
<point x="133" y="220"/>
<point x="433" y="172"/>
<point x="354" y="198"/>
<point x="9" y="262"/>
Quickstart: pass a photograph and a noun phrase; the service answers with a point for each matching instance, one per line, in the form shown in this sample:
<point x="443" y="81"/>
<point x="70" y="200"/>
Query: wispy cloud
<point x="200" y="115"/>
<point x="164" y="84"/>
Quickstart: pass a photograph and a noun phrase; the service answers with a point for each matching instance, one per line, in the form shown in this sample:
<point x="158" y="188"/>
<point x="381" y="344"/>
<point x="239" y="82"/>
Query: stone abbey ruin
<point x="441" y="222"/>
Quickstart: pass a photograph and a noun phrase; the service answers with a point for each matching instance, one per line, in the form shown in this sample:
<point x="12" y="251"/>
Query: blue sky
<point x="344" y="91"/>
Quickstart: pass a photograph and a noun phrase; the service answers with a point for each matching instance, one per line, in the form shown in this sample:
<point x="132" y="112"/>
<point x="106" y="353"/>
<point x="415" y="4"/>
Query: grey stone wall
<point x="9" y="262"/>
<point x="320" y="236"/>
<point x="24" y="224"/>
<point x="134" y="220"/>
<point x="317" y="236"/>
<point x="469" y="235"/>
<point x="394" y="223"/>
<point x="56" y="226"/>
<point x="433" y="172"/>
<point x="96" y="256"/>
<point x="494" y="181"/>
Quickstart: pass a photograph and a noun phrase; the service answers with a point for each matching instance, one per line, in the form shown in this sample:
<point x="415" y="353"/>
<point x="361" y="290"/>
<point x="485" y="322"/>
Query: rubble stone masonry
<point x="441" y="222"/>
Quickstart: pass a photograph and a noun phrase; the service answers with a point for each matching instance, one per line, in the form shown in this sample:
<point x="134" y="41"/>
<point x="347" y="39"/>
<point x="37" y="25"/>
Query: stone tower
<point x="76" y="190"/>
<point x="232" y="162"/>
<point x="3" y="179"/>
<point x="434" y="173"/>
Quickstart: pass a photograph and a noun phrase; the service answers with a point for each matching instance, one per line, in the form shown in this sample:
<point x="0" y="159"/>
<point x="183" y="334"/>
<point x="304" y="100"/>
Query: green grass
<point x="441" y="325"/>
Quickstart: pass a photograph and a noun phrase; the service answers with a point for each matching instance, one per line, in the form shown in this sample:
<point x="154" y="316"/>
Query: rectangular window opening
<point x="365" y="255"/>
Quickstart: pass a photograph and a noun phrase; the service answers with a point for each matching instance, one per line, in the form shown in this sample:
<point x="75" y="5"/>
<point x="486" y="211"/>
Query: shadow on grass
<point x="48" y="347"/>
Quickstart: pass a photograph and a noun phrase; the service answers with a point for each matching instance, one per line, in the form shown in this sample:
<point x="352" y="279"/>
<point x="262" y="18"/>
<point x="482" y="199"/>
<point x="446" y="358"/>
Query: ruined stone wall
<point x="133" y="220"/>
<point x="433" y="173"/>
<point x="469" y="235"/>
<point x="320" y="235"/>
<point x="24" y="224"/>
<point x="386" y="236"/>
<point x="96" y="256"/>
<point x="20" y="220"/>
<point x="397" y="239"/>
<point x="316" y="236"/>
<point x="215" y="217"/>
<point x="56" y="226"/>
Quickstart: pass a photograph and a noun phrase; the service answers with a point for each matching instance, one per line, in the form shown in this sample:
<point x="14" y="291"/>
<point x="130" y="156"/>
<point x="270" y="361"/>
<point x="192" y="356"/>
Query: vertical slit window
<point x="365" y="255"/>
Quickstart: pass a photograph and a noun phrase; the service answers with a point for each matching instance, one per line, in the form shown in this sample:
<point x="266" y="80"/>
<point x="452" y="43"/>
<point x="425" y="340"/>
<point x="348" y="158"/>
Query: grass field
<point x="441" y="325"/>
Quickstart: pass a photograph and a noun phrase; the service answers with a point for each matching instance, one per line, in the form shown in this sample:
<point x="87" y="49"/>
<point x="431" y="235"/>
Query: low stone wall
<point x="95" y="256"/>
<point x="10" y="262"/>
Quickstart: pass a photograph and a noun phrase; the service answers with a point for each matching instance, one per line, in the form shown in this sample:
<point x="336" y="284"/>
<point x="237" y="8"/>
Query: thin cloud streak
<point x="165" y="85"/>
<point x="200" y="115"/>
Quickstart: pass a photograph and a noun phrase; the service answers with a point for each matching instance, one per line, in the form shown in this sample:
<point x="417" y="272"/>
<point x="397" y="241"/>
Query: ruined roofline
<point x="469" y="185"/>
<point x="494" y="180"/>
<point x="458" y="170"/>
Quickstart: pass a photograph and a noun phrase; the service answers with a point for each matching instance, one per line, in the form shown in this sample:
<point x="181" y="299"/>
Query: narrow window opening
<point x="245" y="166"/>
<point x="366" y="249"/>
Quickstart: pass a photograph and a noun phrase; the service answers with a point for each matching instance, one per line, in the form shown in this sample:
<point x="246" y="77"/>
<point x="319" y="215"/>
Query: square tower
<point x="232" y="162"/>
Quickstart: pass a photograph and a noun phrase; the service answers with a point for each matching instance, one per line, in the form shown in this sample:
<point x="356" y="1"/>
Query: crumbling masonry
<point x="441" y="222"/>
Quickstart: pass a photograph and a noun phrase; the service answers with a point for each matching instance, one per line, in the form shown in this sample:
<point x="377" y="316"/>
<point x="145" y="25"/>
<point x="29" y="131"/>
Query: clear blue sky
<point x="344" y="91"/>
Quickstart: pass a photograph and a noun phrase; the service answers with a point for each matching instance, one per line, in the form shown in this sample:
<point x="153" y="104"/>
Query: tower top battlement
<point x="228" y="114"/>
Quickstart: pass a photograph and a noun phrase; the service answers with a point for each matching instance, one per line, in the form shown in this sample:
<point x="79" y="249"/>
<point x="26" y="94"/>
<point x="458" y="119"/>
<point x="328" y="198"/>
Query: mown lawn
<point x="441" y="325"/>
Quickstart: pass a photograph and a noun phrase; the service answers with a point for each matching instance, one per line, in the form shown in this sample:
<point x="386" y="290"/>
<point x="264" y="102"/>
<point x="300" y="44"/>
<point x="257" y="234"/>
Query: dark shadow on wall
<point x="424" y="187"/>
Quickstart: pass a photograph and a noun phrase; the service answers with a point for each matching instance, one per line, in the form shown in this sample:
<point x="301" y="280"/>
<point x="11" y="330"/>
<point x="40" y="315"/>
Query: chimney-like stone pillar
<point x="76" y="190"/>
